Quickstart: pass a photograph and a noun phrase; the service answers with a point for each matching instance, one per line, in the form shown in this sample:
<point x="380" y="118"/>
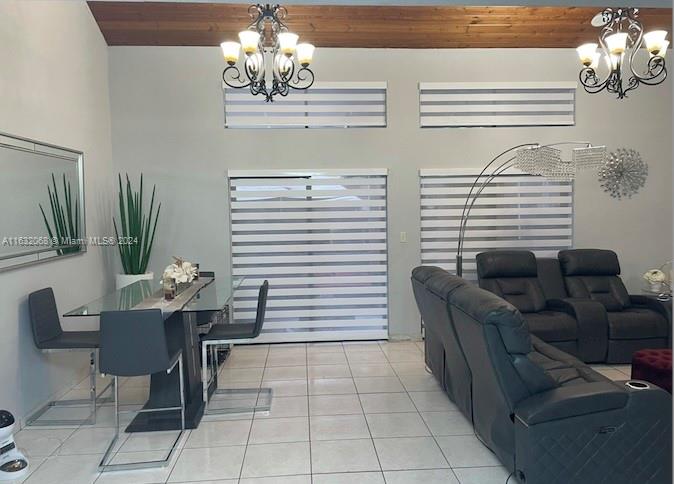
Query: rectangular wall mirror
<point x="41" y="200"/>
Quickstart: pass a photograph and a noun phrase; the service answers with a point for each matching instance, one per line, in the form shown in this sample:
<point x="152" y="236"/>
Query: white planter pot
<point x="656" y="286"/>
<point x="122" y="280"/>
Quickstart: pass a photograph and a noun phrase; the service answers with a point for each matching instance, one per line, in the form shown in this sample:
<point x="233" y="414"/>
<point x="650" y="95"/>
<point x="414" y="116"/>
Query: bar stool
<point x="50" y="337"/>
<point x="230" y="334"/>
<point x="133" y="343"/>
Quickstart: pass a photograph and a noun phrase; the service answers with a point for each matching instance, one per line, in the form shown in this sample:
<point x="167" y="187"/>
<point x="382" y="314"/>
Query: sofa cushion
<point x="552" y="325"/>
<point x="523" y="293"/>
<point x="637" y="323"/>
<point x="608" y="290"/>
<point x="561" y="367"/>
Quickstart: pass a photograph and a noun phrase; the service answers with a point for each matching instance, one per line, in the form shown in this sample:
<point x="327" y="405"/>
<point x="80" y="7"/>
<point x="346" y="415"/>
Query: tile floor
<point x="357" y="413"/>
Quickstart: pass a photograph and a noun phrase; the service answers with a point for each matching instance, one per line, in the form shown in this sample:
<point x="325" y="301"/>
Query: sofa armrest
<point x="571" y="401"/>
<point x="654" y="305"/>
<point x="592" y="324"/>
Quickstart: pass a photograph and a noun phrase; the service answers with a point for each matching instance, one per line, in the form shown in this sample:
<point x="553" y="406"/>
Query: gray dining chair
<point x="231" y="334"/>
<point x="49" y="336"/>
<point x="134" y="343"/>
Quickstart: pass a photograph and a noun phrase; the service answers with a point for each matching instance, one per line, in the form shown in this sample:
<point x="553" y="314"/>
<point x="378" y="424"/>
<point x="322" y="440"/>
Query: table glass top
<point x="214" y="296"/>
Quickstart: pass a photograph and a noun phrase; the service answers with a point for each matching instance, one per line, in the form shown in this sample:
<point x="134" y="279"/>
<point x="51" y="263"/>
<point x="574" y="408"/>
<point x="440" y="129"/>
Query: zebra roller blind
<point x="515" y="211"/>
<point x="324" y="105"/>
<point x="320" y="240"/>
<point x="471" y="104"/>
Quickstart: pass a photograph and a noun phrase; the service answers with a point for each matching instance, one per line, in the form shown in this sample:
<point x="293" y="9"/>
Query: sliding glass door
<point x="319" y="237"/>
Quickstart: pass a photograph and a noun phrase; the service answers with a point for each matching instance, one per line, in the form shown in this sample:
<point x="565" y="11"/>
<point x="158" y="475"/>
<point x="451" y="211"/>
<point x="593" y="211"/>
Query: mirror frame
<point x="39" y="255"/>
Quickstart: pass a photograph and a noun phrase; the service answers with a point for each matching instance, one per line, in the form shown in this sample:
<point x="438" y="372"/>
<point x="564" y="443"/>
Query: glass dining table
<point x="207" y="299"/>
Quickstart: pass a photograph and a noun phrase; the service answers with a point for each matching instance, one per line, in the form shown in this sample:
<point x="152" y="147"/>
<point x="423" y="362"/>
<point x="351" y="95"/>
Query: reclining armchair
<point x="548" y="417"/>
<point x="632" y="322"/>
<point x="574" y="326"/>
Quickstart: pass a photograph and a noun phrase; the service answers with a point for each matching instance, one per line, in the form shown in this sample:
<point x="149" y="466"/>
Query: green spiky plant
<point x="135" y="226"/>
<point x="66" y="219"/>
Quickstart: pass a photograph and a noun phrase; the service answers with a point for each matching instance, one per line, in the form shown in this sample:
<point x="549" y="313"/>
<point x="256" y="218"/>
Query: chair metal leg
<point x="204" y="372"/>
<point x="34" y="418"/>
<point x="263" y="396"/>
<point x="105" y="466"/>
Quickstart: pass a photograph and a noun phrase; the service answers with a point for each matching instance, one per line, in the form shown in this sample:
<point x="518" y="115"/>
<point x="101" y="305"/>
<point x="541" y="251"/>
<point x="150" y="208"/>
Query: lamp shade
<point x="249" y="41"/>
<point x="305" y="53"/>
<point x="586" y="53"/>
<point x="655" y="40"/>
<point x="287" y="43"/>
<point x="617" y="43"/>
<point x="230" y="50"/>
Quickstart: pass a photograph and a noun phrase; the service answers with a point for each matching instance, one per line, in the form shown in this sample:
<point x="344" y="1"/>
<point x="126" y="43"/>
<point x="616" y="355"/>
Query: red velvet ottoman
<point x="653" y="366"/>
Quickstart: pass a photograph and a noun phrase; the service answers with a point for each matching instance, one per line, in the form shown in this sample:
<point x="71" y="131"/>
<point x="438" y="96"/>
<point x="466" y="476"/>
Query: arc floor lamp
<point x="531" y="159"/>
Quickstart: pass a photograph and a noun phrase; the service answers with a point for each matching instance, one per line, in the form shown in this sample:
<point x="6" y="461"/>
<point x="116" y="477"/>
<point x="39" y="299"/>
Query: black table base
<point x="181" y="332"/>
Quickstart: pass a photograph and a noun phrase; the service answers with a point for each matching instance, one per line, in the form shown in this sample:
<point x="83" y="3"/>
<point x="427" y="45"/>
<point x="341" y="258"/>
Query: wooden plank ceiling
<point x="208" y="24"/>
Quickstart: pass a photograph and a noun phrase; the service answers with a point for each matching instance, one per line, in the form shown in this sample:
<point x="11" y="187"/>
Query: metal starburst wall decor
<point x="623" y="174"/>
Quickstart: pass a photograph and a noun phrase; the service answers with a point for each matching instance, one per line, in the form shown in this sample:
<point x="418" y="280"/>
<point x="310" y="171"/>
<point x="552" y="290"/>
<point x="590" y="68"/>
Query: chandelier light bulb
<point x="617" y="43"/>
<point x="287" y="43"/>
<point x="249" y="41"/>
<point x="586" y="53"/>
<point x="655" y="41"/>
<point x="305" y="54"/>
<point x="230" y="50"/>
<point x="595" y="60"/>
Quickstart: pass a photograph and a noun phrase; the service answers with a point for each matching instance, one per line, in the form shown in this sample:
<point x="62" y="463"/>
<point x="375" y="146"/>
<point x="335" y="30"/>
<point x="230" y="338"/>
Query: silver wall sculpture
<point x="623" y="174"/>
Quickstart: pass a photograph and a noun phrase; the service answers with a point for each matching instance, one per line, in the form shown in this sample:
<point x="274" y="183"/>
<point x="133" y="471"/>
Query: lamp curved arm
<point x="472" y="196"/>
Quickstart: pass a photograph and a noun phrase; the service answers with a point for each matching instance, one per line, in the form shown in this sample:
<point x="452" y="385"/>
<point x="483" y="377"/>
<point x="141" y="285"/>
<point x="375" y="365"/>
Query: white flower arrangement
<point x="655" y="276"/>
<point x="180" y="271"/>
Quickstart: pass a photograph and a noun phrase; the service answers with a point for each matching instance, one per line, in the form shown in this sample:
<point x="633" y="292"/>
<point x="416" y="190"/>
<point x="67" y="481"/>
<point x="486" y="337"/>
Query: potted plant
<point x="66" y="218"/>
<point x="135" y="233"/>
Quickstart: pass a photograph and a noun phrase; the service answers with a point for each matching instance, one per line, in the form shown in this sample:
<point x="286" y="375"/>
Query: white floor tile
<point x="208" y="464"/>
<point x="331" y="386"/>
<point x="447" y="423"/>
<point x="287" y="459"/>
<point x="329" y="371"/>
<point x="276" y="430"/>
<point x="352" y="477"/>
<point x="386" y="402"/>
<point x="420" y="383"/>
<point x="326" y="358"/>
<point x="378" y="384"/>
<point x="338" y="427"/>
<point x="286" y="388"/>
<point x="483" y="475"/>
<point x="375" y="357"/>
<point x="151" y="441"/>
<point x="233" y="375"/>
<point x="285" y="407"/>
<point x="334" y="405"/>
<point x="219" y="433"/>
<point x="397" y="425"/>
<point x="41" y="442"/>
<point x="299" y="359"/>
<point x="285" y="373"/>
<point x="466" y="451"/>
<point x="89" y="440"/>
<point x="306" y="479"/>
<point x="431" y="476"/>
<point x="368" y="370"/>
<point x="343" y="456"/>
<point x="432" y="401"/>
<point x="410" y="368"/>
<point x="409" y="453"/>
<point x="67" y="469"/>
<point x="139" y="476"/>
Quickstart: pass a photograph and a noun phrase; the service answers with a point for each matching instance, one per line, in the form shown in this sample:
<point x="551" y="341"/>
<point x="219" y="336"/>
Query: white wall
<point x="54" y="88"/>
<point x="167" y="121"/>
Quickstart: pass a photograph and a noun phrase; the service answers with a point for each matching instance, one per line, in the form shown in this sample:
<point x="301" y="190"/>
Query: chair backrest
<point x="44" y="316"/>
<point x="133" y="343"/>
<point x="512" y="275"/>
<point x="261" y="308"/>
<point x="495" y="340"/>
<point x="206" y="273"/>
<point x="594" y="274"/>
<point x="447" y="361"/>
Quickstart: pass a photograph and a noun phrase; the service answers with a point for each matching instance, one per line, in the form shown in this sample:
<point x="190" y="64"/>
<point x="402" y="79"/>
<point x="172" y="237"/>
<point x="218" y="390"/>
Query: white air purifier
<point x="13" y="464"/>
